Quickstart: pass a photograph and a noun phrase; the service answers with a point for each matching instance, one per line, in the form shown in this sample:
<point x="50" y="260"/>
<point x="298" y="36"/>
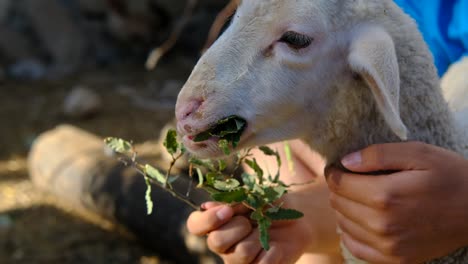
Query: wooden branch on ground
<point x="219" y="22"/>
<point x="157" y="53"/>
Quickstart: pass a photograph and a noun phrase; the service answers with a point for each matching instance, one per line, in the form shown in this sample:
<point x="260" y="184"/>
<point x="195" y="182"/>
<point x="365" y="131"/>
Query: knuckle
<point x="356" y="252"/>
<point x="384" y="201"/>
<point x="392" y="247"/>
<point x="385" y="228"/>
<point x="216" y="243"/>
<point x="333" y="198"/>
<point x="245" y="253"/>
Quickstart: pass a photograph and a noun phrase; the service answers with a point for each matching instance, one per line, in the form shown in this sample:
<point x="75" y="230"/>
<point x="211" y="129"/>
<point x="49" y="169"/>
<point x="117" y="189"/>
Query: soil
<point x="36" y="227"/>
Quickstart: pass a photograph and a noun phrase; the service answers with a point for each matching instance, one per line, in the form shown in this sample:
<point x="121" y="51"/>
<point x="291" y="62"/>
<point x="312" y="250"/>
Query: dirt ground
<point x="34" y="226"/>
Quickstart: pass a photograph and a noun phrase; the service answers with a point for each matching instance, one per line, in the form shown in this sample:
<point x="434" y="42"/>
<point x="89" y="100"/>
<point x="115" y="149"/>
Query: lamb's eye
<point x="296" y="40"/>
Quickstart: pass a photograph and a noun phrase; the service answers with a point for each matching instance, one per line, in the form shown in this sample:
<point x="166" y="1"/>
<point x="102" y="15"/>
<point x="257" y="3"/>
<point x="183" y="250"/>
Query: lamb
<point x="339" y="74"/>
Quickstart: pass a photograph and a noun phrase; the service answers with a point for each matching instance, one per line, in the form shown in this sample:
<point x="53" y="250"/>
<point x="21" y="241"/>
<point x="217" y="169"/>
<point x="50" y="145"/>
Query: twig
<point x="176" y="195"/>
<point x="157" y="53"/>
<point x="219" y="22"/>
<point x="168" y="173"/>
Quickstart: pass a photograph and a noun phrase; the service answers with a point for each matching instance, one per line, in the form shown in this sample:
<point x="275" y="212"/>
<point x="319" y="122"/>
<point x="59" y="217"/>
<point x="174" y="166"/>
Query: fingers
<point x="364" y="252"/>
<point x="201" y="223"/>
<point x="392" y="156"/>
<point x="226" y="236"/>
<point x="272" y="256"/>
<point x="215" y="215"/>
<point x="245" y="251"/>
<point x="360" y="188"/>
<point x="365" y="217"/>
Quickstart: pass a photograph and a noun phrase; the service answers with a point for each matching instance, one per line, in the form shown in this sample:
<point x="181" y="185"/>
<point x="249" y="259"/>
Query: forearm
<point x="311" y="198"/>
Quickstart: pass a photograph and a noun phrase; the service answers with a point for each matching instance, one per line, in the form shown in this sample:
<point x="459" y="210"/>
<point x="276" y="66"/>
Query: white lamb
<point x="339" y="74"/>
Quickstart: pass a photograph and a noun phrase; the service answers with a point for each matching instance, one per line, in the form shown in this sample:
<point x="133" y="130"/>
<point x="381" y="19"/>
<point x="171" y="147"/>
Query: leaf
<point x="222" y="165"/>
<point x="256" y="215"/>
<point x="223" y="144"/>
<point x="154" y="174"/>
<point x="234" y="139"/>
<point x="202" y="163"/>
<point x="171" y="143"/>
<point x="235" y="196"/>
<point x="202" y="136"/>
<point x="263" y="225"/>
<point x="229" y="125"/>
<point x="118" y="145"/>
<point x="269" y="152"/>
<point x="149" y="201"/>
<point x="284" y="214"/>
<point x="254" y="165"/>
<point x="248" y="180"/>
<point x="229" y="128"/>
<point x="255" y="201"/>
<point x="211" y="177"/>
<point x="274" y="193"/>
<point x="227" y="185"/>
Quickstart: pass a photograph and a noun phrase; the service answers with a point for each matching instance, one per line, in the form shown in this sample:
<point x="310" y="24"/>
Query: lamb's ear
<point x="372" y="55"/>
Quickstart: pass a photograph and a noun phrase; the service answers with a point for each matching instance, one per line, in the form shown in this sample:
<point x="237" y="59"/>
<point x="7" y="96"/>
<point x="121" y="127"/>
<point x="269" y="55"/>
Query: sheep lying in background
<point x="339" y="74"/>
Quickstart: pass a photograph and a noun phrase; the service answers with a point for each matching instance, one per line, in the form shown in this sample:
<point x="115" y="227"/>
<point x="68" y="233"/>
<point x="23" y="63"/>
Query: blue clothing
<point x="444" y="25"/>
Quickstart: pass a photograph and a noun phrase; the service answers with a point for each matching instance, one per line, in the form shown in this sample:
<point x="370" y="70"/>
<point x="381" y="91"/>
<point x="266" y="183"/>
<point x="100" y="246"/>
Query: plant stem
<point x="141" y="169"/>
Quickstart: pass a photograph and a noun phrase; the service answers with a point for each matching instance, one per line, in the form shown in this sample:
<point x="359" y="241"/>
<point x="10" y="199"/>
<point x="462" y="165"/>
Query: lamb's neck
<point x="356" y="124"/>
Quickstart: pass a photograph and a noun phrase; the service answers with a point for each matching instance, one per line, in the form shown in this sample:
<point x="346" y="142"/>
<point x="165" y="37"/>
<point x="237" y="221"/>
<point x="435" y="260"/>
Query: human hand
<point x="232" y="236"/>
<point x="416" y="214"/>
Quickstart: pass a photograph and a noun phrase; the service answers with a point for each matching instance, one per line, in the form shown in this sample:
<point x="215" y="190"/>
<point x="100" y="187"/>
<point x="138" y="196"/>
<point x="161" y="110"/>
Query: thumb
<point x="387" y="157"/>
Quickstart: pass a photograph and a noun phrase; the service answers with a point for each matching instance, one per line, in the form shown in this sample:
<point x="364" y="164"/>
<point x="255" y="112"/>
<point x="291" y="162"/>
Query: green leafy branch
<point x="259" y="191"/>
<point x="151" y="174"/>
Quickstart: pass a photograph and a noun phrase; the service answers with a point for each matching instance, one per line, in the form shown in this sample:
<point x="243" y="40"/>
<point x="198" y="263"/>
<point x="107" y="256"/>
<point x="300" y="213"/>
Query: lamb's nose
<point x="185" y="110"/>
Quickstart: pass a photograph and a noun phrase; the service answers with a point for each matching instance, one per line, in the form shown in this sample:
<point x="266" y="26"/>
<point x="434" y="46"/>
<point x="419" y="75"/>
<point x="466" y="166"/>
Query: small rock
<point x="81" y="102"/>
<point x="28" y="69"/>
<point x="5" y="222"/>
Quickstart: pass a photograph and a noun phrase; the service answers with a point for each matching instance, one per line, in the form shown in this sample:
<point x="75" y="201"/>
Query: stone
<point x="58" y="33"/>
<point x="81" y="102"/>
<point x="5" y="221"/>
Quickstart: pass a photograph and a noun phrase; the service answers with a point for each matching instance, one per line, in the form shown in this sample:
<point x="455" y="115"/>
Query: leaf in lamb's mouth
<point x="229" y="128"/>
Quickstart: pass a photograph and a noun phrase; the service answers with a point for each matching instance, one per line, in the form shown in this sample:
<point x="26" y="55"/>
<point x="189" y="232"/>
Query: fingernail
<point x="208" y="205"/>
<point x="224" y="213"/>
<point x="352" y="160"/>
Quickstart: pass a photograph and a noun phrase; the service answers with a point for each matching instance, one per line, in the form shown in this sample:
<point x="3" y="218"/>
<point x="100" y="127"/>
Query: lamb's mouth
<point x="229" y="129"/>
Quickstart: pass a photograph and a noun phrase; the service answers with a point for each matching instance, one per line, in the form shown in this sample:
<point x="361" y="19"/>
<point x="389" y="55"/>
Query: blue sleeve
<point x="458" y="28"/>
<point x="444" y="25"/>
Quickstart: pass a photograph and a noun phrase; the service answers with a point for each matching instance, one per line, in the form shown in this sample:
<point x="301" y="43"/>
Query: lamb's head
<point x="280" y="66"/>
